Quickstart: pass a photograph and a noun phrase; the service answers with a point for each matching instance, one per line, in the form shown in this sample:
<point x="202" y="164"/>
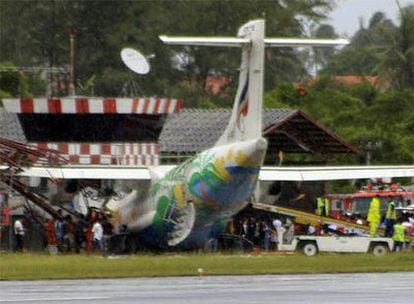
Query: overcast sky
<point x="345" y="18"/>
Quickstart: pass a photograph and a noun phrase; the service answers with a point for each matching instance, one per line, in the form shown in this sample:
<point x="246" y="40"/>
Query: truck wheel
<point x="379" y="249"/>
<point x="310" y="249"/>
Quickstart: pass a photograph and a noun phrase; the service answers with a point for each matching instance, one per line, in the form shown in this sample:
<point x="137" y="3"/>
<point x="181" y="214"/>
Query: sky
<point x="345" y="18"/>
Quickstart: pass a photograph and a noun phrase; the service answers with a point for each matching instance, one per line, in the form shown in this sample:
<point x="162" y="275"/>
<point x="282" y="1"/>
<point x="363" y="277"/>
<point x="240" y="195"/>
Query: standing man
<point x="327" y="206"/>
<point x="80" y="228"/>
<point x="277" y="238"/>
<point x="266" y="235"/>
<point x="60" y="223"/>
<point x="19" y="234"/>
<point x="97" y="231"/>
<point x="50" y="230"/>
<point x="374" y="215"/>
<point x="398" y="236"/>
<point x="320" y="206"/>
<point x="390" y="218"/>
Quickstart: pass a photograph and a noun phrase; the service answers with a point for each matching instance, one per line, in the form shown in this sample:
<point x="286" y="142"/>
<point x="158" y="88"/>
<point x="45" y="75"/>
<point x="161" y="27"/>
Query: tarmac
<point x="319" y="288"/>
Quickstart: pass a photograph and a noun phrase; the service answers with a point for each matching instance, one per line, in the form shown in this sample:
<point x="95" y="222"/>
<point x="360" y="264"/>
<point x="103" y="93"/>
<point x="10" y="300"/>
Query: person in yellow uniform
<point x="390" y="217"/>
<point x="374" y="215"/>
<point x="320" y="206"/>
<point x="327" y="206"/>
<point x="398" y="236"/>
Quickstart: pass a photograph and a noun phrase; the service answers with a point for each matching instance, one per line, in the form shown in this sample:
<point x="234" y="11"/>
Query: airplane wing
<point x="333" y="173"/>
<point x="96" y="172"/>
<point x="266" y="173"/>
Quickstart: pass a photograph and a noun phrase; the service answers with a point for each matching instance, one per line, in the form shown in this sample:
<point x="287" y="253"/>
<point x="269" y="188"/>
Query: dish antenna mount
<point x="135" y="61"/>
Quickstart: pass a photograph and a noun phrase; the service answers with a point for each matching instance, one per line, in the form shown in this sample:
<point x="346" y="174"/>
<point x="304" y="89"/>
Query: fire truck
<point x="347" y="228"/>
<point x="357" y="204"/>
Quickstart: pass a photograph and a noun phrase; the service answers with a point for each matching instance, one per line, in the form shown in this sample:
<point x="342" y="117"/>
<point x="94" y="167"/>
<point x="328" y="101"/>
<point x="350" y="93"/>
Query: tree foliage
<point x="360" y="113"/>
<point x="36" y="33"/>
<point x="381" y="49"/>
<point x="39" y="36"/>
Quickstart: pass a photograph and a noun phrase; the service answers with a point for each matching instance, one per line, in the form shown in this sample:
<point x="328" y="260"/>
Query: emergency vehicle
<point x="357" y="204"/>
<point x="312" y="244"/>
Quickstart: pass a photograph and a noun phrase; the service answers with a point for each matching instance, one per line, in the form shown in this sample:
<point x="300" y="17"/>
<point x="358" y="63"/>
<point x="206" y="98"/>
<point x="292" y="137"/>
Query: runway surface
<point x="320" y="288"/>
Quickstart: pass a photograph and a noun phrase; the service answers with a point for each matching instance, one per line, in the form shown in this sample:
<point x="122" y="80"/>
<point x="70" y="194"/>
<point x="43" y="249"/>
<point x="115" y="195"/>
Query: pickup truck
<point x="311" y="245"/>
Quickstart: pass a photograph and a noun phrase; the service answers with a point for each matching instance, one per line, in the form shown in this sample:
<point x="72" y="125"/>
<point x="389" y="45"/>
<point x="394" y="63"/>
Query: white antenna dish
<point x="135" y="61"/>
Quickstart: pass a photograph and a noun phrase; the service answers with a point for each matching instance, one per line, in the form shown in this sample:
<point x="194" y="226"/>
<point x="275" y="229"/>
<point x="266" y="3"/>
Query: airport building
<point x="154" y="131"/>
<point x="149" y="131"/>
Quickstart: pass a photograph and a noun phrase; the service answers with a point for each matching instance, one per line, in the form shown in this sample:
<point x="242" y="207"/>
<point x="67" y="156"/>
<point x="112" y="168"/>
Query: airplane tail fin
<point x="246" y="118"/>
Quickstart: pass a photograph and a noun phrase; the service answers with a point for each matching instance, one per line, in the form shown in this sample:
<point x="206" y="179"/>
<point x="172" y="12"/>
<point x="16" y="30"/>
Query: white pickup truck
<point x="311" y="245"/>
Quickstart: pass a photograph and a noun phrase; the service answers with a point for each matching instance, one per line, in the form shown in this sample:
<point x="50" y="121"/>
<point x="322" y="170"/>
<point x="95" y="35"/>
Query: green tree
<point x="13" y="82"/>
<point x="358" y="113"/>
<point x="39" y="37"/>
<point x="323" y="55"/>
<point x="397" y="64"/>
<point x="363" y="55"/>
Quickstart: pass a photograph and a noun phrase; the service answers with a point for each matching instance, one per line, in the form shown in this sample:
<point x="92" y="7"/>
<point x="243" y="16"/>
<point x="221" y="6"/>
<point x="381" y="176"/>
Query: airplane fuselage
<point x="195" y="199"/>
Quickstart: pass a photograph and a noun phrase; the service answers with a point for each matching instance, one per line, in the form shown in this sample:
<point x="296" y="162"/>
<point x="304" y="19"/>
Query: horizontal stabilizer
<point x="287" y="42"/>
<point x="238" y="42"/>
<point x="205" y="41"/>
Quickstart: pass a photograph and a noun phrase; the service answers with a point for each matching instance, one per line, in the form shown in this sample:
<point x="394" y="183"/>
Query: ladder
<point x="304" y="218"/>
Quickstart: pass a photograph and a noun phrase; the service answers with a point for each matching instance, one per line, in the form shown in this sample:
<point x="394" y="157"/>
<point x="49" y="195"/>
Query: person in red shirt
<point x="50" y="230"/>
<point x="88" y="239"/>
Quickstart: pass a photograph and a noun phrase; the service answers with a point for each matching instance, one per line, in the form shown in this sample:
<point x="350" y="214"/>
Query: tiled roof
<point x="10" y="126"/>
<point x="193" y="130"/>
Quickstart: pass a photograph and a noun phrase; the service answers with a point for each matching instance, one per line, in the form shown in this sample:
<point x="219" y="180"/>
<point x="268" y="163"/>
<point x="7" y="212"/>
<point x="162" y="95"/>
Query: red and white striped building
<point x="83" y="105"/>
<point x="104" y="131"/>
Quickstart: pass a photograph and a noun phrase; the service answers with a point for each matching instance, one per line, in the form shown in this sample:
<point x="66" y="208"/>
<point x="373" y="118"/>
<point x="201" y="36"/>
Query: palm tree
<point x="397" y="62"/>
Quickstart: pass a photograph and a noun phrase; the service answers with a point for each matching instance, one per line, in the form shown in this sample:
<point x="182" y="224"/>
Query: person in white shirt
<point x="276" y="237"/>
<point x="19" y="234"/>
<point x="97" y="231"/>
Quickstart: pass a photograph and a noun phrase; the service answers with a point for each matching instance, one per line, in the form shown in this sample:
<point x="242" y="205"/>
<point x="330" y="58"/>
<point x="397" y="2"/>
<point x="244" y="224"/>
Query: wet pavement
<point x="320" y="288"/>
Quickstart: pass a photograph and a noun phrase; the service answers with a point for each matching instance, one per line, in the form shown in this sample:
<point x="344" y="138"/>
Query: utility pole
<point x="72" y="33"/>
<point x="369" y="146"/>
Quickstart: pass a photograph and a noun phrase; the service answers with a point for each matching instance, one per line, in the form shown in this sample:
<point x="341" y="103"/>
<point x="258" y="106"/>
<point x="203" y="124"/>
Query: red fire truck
<point x="357" y="204"/>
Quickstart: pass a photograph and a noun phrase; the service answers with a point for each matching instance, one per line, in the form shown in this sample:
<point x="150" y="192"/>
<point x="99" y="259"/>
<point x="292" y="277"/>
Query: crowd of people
<point x="263" y="232"/>
<point x="68" y="233"/>
<point x="395" y="227"/>
<point x="92" y="233"/>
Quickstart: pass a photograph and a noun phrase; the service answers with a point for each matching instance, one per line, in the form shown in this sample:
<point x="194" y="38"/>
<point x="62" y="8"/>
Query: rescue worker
<point x="398" y="236"/>
<point x="374" y="215"/>
<point x="327" y="206"/>
<point x="390" y="218"/>
<point x="320" y="206"/>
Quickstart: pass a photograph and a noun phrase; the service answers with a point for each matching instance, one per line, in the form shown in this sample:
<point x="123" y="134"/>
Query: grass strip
<point x="41" y="266"/>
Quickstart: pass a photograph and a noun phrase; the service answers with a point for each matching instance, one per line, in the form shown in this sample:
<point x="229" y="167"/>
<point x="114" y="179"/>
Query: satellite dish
<point x="135" y="61"/>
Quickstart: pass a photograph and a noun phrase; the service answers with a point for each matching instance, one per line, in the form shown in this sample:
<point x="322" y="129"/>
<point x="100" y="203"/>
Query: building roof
<point x="193" y="130"/>
<point x="299" y="133"/>
<point x="347" y="79"/>
<point x="10" y="127"/>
